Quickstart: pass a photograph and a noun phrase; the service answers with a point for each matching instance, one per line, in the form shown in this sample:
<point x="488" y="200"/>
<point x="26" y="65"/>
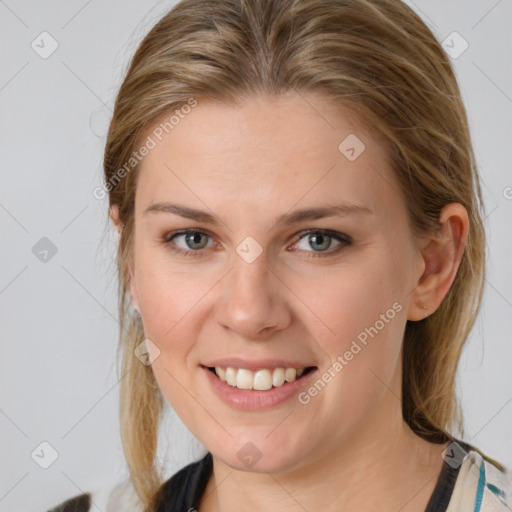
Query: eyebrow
<point x="286" y="219"/>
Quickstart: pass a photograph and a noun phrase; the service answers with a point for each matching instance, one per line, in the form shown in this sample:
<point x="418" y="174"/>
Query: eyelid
<point x="167" y="237"/>
<point x="338" y="235"/>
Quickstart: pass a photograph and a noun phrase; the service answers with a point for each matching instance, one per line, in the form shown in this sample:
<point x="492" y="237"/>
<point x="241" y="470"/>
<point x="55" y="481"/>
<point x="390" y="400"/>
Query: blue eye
<point x="322" y="239"/>
<point x="195" y="240"/>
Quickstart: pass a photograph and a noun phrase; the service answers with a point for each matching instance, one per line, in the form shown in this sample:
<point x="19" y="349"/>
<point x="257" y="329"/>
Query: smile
<point x="260" y="380"/>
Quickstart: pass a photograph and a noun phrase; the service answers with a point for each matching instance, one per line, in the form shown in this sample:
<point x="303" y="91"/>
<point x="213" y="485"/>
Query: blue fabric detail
<point x="480" y="490"/>
<point x="496" y="491"/>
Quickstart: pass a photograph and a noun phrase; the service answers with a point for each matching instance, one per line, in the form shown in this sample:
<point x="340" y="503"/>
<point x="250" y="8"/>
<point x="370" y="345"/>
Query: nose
<point x="253" y="301"/>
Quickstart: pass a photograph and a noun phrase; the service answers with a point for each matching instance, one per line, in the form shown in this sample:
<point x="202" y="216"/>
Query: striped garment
<point x="469" y="482"/>
<point x="481" y="486"/>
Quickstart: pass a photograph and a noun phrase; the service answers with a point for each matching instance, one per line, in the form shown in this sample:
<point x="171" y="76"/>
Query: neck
<point x="385" y="466"/>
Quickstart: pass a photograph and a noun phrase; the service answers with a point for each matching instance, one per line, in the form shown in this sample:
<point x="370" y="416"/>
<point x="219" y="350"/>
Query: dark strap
<point x="443" y="490"/>
<point x="185" y="489"/>
<point x="80" y="503"/>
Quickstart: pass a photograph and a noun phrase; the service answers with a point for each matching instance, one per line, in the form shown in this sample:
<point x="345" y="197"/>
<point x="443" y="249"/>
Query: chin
<point x="259" y="457"/>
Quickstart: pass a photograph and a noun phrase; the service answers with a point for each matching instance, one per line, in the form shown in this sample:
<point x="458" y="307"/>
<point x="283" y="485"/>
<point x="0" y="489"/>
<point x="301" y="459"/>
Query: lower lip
<point x="250" y="400"/>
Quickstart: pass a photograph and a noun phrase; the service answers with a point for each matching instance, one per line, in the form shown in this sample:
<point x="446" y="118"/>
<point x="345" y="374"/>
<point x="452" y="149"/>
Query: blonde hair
<point x="374" y="57"/>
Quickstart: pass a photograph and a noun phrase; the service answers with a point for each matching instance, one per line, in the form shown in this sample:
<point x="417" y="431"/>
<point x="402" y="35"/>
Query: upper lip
<point x="236" y="362"/>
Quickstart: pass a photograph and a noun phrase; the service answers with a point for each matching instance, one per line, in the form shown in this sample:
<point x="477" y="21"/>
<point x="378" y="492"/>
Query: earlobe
<point x="135" y="295"/>
<point x="133" y="289"/>
<point x="114" y="216"/>
<point x="441" y="254"/>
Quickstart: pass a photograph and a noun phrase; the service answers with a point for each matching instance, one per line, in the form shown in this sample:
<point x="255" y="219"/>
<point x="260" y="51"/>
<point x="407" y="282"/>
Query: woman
<point x="301" y="259"/>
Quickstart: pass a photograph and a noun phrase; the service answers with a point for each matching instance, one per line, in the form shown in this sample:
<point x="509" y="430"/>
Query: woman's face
<point x="256" y="291"/>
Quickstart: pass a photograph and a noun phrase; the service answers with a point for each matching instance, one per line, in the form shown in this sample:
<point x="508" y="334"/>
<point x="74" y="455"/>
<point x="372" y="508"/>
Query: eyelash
<point x="340" y="237"/>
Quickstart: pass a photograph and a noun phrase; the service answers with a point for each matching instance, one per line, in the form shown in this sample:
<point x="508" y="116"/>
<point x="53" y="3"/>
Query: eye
<point x="194" y="241"/>
<point x="320" y="240"/>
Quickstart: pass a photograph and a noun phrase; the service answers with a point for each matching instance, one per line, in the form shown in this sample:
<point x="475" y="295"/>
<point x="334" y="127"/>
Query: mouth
<point x="260" y="380"/>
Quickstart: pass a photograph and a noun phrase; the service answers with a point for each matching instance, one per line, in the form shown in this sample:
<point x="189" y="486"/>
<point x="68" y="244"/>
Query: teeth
<point x="230" y="376"/>
<point x="290" y="374"/>
<point x="221" y="373"/>
<point x="278" y="377"/>
<point x="244" y="379"/>
<point x="260" y="380"/>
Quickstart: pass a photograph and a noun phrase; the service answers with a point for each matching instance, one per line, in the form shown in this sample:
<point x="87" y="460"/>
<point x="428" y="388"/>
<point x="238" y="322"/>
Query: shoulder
<point x="482" y="485"/>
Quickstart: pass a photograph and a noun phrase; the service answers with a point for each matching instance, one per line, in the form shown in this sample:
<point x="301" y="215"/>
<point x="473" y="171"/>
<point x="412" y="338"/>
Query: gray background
<point x="58" y="378"/>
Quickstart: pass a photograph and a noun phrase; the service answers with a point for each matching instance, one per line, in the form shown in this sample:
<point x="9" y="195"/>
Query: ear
<point x="135" y="295"/>
<point x="114" y="216"/>
<point x="441" y="253"/>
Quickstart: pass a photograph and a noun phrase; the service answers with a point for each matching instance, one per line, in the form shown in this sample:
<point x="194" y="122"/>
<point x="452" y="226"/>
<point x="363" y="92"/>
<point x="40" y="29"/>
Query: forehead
<point x="267" y="150"/>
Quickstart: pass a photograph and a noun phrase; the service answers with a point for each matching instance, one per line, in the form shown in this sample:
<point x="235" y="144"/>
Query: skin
<point x="247" y="165"/>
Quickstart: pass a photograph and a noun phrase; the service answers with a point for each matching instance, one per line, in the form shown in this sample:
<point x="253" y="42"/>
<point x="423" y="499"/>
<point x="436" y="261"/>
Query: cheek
<point x="341" y="303"/>
<point x="364" y="362"/>
<point x="170" y="305"/>
<point x="168" y="297"/>
<point x="359" y="321"/>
